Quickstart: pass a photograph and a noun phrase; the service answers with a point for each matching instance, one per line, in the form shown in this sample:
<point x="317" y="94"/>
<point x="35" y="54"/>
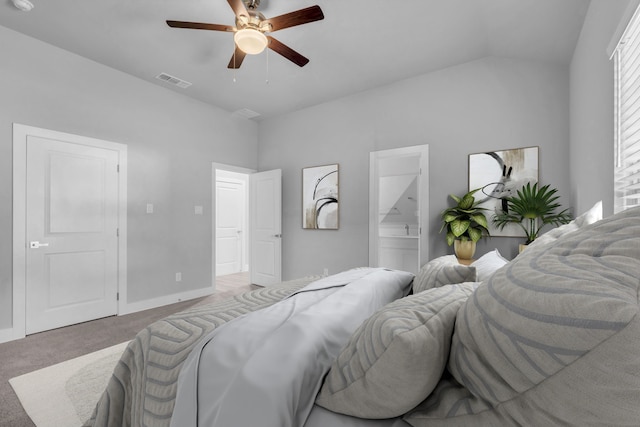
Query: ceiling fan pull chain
<point x="267" y="77"/>
<point x="235" y="69"/>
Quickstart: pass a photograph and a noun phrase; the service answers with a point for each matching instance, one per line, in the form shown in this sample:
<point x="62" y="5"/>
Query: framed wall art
<point x="320" y="205"/>
<point x="500" y="174"/>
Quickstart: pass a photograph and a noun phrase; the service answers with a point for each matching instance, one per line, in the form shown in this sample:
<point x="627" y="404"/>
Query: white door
<point x="266" y="227"/>
<point x="230" y="201"/>
<point x="72" y="233"/>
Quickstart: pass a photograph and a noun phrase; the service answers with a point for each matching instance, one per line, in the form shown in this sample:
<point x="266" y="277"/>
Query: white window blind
<point x="627" y="117"/>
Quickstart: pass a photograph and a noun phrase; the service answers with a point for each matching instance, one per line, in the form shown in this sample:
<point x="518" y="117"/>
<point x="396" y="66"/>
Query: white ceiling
<point x="359" y="45"/>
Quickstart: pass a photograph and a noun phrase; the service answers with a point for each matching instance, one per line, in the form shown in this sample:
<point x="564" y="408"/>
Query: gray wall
<point x="171" y="140"/>
<point x="484" y="105"/>
<point x="592" y="108"/>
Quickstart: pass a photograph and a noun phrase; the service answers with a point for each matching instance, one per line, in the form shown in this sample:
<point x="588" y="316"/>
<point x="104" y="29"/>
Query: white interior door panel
<point x="72" y="230"/>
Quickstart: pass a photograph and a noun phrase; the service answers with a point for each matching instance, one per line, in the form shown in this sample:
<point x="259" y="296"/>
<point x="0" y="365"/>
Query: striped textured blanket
<point x="142" y="389"/>
<point x="553" y="338"/>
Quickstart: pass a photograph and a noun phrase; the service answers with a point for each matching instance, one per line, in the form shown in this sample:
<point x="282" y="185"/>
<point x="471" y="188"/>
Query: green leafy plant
<point x="465" y="221"/>
<point x="532" y="208"/>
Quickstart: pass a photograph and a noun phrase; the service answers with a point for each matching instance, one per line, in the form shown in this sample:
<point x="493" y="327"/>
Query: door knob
<point x="36" y="245"/>
<point x="278" y="236"/>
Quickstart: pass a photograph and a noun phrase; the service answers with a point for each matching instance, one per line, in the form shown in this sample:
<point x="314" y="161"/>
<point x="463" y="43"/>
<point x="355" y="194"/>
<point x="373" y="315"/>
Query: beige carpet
<point x="65" y="394"/>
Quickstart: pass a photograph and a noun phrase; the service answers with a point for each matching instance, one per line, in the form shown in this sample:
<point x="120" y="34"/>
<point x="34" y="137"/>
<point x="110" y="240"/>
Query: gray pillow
<point x="396" y="357"/>
<point x="444" y="270"/>
<point x="551" y="337"/>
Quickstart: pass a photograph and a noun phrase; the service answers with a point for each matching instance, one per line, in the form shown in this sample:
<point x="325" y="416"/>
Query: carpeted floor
<point x="48" y="348"/>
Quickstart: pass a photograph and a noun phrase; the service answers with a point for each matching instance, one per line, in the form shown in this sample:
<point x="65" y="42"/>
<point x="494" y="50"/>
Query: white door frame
<point x="423" y="194"/>
<point x="229" y="168"/>
<point x="20" y="134"/>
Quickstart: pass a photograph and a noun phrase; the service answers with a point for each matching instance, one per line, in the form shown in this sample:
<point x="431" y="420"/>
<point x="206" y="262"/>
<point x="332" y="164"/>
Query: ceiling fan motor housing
<point x="255" y="20"/>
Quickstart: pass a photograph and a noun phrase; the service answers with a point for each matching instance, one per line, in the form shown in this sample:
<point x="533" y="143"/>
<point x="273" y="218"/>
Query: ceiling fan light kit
<point x="250" y="41"/>
<point x="251" y="27"/>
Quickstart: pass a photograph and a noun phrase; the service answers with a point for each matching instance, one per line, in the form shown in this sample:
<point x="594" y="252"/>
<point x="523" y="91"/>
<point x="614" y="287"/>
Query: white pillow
<point x="487" y="264"/>
<point x="589" y="217"/>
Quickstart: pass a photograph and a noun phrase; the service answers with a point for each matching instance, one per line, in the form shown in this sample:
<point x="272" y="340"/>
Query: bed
<point x="550" y="338"/>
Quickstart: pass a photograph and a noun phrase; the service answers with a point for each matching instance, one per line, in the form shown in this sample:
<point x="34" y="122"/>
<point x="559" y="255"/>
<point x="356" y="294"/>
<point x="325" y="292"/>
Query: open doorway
<point x="231" y="226"/>
<point x="249" y="240"/>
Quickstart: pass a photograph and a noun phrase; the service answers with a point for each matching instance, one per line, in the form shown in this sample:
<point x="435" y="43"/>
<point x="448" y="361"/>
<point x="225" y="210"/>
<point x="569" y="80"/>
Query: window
<point x="627" y="117"/>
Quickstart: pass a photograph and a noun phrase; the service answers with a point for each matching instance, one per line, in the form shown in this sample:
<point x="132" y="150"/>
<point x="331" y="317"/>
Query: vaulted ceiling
<point x="359" y="45"/>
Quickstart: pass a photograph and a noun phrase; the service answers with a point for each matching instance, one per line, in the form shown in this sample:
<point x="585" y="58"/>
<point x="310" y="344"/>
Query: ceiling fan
<point x="252" y="27"/>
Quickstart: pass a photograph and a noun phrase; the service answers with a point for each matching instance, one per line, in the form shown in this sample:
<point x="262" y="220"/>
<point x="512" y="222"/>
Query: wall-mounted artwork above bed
<point x="320" y="197"/>
<point x="500" y="174"/>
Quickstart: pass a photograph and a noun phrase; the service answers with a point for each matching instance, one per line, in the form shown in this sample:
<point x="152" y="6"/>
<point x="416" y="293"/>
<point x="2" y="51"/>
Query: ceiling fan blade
<point x="236" y="59"/>
<point x="238" y="7"/>
<point x="299" y="17"/>
<point x="199" y="26"/>
<point x="287" y="52"/>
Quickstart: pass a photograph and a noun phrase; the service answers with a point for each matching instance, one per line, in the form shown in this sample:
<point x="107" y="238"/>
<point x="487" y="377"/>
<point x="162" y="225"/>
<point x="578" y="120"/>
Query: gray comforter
<point x="142" y="388"/>
<point x="277" y="367"/>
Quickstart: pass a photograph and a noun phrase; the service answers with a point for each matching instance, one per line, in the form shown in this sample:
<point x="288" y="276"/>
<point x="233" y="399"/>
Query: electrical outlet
<point x="149" y="208"/>
<point x="178" y="277"/>
<point x="325" y="272"/>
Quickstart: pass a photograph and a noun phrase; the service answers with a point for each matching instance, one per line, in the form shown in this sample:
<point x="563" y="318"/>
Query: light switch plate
<point x="149" y="208"/>
<point x="199" y="210"/>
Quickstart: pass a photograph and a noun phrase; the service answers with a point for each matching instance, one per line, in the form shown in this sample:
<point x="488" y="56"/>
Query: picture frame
<point x="320" y="200"/>
<point x="499" y="175"/>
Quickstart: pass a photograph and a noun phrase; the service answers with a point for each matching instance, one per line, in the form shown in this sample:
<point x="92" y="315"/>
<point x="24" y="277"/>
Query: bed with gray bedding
<point x="551" y="338"/>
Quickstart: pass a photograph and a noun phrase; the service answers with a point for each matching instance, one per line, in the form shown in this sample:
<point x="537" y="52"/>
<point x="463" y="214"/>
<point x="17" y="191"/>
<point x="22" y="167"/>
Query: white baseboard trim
<point x="9" y="334"/>
<point x="165" y="300"/>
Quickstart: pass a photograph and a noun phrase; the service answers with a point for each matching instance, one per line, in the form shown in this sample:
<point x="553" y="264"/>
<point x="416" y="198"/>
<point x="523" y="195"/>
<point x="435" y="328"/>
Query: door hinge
<point x="118" y="168"/>
<point x="117" y="296"/>
<point x="117" y="232"/>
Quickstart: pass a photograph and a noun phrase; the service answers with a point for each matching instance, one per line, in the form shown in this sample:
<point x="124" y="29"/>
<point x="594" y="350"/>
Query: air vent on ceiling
<point x="173" y="80"/>
<point x="246" y="113"/>
<point x="23" y="5"/>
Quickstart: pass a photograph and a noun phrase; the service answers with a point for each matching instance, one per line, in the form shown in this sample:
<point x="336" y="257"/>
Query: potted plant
<point x="465" y="224"/>
<point x="532" y="208"/>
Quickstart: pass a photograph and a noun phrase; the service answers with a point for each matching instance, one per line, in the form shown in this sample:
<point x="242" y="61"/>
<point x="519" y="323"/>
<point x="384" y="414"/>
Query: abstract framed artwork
<point x="320" y="205"/>
<point x="499" y="175"/>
